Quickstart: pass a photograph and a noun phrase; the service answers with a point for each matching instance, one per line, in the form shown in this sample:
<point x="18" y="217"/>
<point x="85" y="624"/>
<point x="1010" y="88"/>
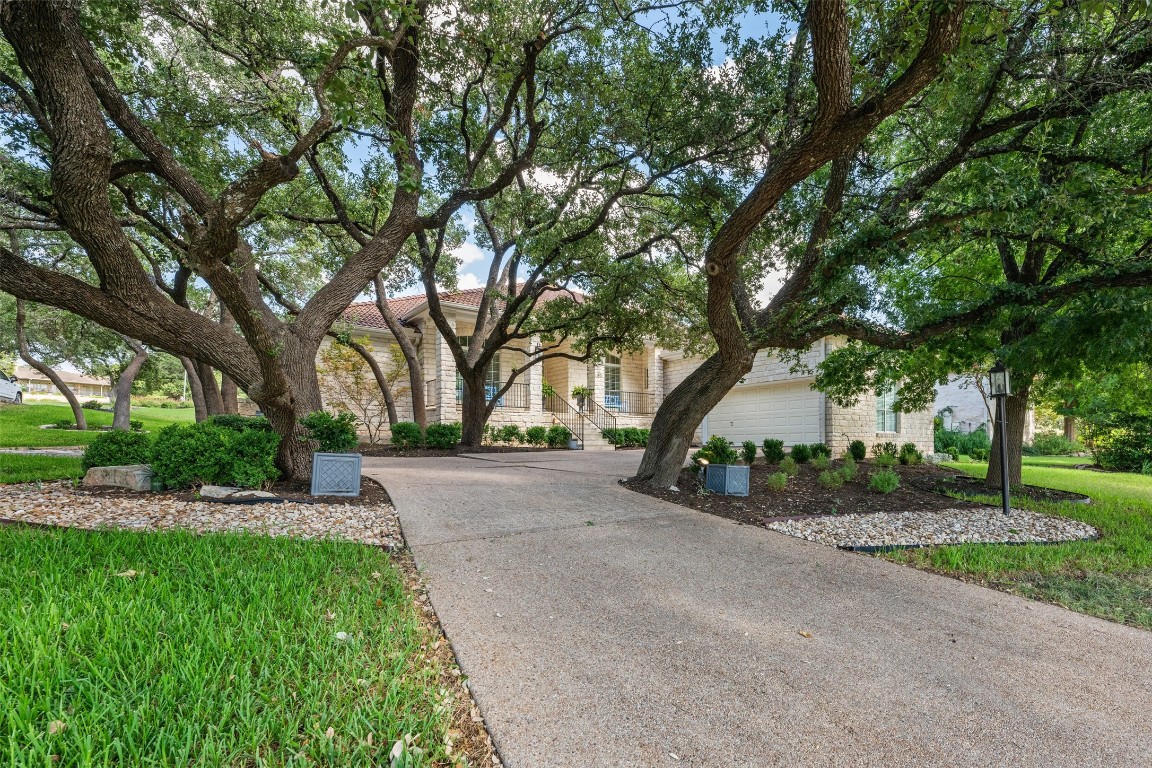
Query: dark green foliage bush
<point x="1052" y="445"/>
<point x="773" y="451"/>
<point x="718" y="450"/>
<point x="443" y="436"/>
<point x="777" y="481"/>
<point x="241" y="423"/>
<point x="536" y="435"/>
<point x="801" y="453"/>
<point x="64" y="424"/>
<point x="509" y="433"/>
<point x="885" y="449"/>
<point x="116" y="449"/>
<point x="909" y="454"/>
<point x="331" y="433"/>
<point x="884" y="481"/>
<point x="1122" y="442"/>
<point x="748" y="451"/>
<point x="952" y="441"/>
<point x="858" y="450"/>
<point x="830" y="479"/>
<point x="558" y="436"/>
<point x="136" y="426"/>
<point x="92" y="405"/>
<point x="627" y="437"/>
<point x="406" y="434"/>
<point x="979" y="454"/>
<point x="187" y="454"/>
<point x="820" y="449"/>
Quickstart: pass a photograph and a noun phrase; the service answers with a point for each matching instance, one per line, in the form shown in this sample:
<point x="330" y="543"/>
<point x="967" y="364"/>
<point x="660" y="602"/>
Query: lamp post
<point x="1000" y="388"/>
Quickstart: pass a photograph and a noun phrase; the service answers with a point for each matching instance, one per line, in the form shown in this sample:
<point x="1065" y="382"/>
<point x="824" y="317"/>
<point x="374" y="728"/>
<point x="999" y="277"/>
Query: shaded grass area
<point x="149" y="649"/>
<point x="1110" y="577"/>
<point x="15" y="468"/>
<point x="20" y="424"/>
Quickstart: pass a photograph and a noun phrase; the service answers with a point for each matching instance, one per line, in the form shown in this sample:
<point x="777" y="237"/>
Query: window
<point x="887" y="420"/>
<point x="492" y="378"/>
<point x="611" y="381"/>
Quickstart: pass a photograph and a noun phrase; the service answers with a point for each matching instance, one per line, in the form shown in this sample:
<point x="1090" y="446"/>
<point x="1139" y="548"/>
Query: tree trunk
<point x="122" y="392"/>
<point x="381" y="380"/>
<point x="408" y="349"/>
<point x="682" y="411"/>
<point x="284" y="410"/>
<point x="1016" y="407"/>
<point x="26" y="356"/>
<point x="1070" y="428"/>
<point x="229" y="400"/>
<point x="473" y="408"/>
<point x="195" y="388"/>
<point x="213" y="402"/>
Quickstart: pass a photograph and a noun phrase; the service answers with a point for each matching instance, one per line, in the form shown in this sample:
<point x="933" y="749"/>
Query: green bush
<point x="187" y="454"/>
<point x="777" y="481"/>
<point x="886" y="460"/>
<point x="627" y="437"/>
<point x="558" y="436"/>
<point x="801" y="453"/>
<point x="979" y="454"/>
<point x="848" y="468"/>
<point x="748" y="451"/>
<point x="789" y="466"/>
<point x="331" y="433"/>
<point x="509" y="433"/>
<point x="858" y="450"/>
<point x="64" y="424"/>
<point x="1122" y="442"/>
<point x="407" y="434"/>
<point x="830" y="479"/>
<point x="773" y="451"/>
<point x="536" y="435"/>
<point x="909" y="454"/>
<point x="949" y="441"/>
<point x="885" y="449"/>
<point x="241" y="423"/>
<point x="116" y="449"/>
<point x="136" y="426"/>
<point x="611" y="435"/>
<point x="820" y="449"/>
<point x="821" y="462"/>
<point x="1052" y="444"/>
<point x="444" y="437"/>
<point x="93" y="405"/>
<point x="884" y="481"/>
<point x="719" y="450"/>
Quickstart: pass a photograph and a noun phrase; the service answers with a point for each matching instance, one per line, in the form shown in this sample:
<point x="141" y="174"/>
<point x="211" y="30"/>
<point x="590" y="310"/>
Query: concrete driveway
<point x="600" y="627"/>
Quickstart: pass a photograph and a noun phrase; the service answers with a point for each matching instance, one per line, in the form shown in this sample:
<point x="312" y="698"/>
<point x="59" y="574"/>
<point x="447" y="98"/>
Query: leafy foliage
<point x="884" y="481"/>
<point x="776" y="481"/>
<point x="910" y="454"/>
<point x="558" y="436"/>
<point x="117" y="448"/>
<point x="773" y="450"/>
<point x="1123" y="442"/>
<point x="820" y="449"/>
<point x="536" y="435"/>
<point x="407" y="434"/>
<point x="789" y="466"/>
<point x="848" y="468"/>
<point x="748" y="451"/>
<point x="332" y="433"/>
<point x="205" y="453"/>
<point x="801" y="453"/>
<point x="1051" y="444"/>
<point x="442" y="436"/>
<point x="830" y="479"/>
<point x="858" y="450"/>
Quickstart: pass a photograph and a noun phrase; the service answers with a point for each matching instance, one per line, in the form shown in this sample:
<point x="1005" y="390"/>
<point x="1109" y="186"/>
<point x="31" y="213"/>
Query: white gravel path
<point x="59" y="504"/>
<point x="949" y="526"/>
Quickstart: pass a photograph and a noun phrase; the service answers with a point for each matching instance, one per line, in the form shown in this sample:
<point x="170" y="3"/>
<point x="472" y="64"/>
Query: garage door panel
<point x="788" y="412"/>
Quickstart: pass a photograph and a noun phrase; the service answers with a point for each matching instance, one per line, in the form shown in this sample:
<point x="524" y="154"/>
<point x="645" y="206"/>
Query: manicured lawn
<point x="20" y="424"/>
<point x="30" y="469"/>
<point x="1110" y="577"/>
<point x="171" y="649"/>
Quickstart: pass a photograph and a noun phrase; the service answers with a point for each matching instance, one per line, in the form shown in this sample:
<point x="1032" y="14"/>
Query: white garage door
<point x="788" y="412"/>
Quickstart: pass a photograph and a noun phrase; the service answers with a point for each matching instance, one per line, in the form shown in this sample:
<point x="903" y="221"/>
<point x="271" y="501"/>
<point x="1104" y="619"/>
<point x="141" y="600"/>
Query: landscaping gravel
<point x="61" y="505"/>
<point x="985" y="525"/>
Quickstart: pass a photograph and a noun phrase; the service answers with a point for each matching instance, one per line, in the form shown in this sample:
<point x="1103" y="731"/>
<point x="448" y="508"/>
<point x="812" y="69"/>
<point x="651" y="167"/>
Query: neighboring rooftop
<point x="366" y="315"/>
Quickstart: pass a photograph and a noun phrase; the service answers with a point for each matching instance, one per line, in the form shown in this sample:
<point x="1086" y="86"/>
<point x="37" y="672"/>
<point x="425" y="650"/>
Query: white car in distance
<point x="9" y="389"/>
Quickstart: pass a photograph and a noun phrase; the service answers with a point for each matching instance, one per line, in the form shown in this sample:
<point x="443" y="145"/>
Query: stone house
<point x="627" y="387"/>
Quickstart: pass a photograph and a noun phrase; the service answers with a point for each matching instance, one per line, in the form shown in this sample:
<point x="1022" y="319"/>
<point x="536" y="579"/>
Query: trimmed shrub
<point x="1052" y="444"/>
<point x="444" y="437"/>
<point x="536" y="435"/>
<point x="858" y="450"/>
<point x="801" y="453"/>
<point x="789" y="466"/>
<point x="949" y="441"/>
<point x="187" y="454"/>
<point x="885" y="449"/>
<point x="777" y="481"/>
<point x="886" y="460"/>
<point x="749" y="452"/>
<point x="773" y="451"/>
<point x="93" y="405"/>
<point x="558" y="435"/>
<point x="848" y="468"/>
<point x="830" y="479"/>
<point x="240" y="423"/>
<point x="719" y="450"/>
<point x="979" y="454"/>
<point x="909" y="454"/>
<point x="406" y="434"/>
<point x="611" y="435"/>
<point x="1122" y="442"/>
<point x="820" y="449"/>
<point x="821" y="462"/>
<point x="331" y="433"/>
<point x="136" y="426"/>
<point x="884" y="481"/>
<point x="116" y="449"/>
<point x="509" y="433"/>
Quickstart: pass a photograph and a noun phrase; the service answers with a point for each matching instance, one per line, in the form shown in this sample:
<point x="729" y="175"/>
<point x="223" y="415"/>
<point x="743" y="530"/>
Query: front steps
<point x="594" y="441"/>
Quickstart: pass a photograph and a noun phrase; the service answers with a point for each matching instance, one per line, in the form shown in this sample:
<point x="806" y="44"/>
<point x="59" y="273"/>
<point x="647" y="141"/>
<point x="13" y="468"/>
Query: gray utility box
<point x="336" y="474"/>
<point x="728" y="479"/>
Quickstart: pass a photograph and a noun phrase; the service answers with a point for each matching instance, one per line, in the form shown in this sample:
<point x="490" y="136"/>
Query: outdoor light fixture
<point x="999" y="388"/>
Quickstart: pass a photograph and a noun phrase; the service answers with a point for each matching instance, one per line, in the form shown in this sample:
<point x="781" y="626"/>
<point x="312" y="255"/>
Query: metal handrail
<point x="563" y="411"/>
<point x="601" y="417"/>
<point x="638" y="403"/>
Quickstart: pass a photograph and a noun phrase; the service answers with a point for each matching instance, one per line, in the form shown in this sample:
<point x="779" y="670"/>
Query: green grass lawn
<point x="20" y="424"/>
<point x="1110" y="577"/>
<point x="171" y="649"/>
<point x="30" y="469"/>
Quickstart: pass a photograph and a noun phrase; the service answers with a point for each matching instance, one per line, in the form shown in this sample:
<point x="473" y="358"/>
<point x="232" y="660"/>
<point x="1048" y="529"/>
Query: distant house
<point x="36" y="384"/>
<point x="962" y="407"/>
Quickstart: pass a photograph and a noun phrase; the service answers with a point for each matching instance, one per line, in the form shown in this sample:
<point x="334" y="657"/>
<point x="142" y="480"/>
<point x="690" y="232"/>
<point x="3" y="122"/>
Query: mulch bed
<point x="371" y="492"/>
<point x="805" y="497"/>
<point x="972" y="486"/>
<point x="388" y="450"/>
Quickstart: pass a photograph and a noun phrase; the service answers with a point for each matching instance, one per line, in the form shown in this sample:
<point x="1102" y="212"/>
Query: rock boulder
<point x="134" y="477"/>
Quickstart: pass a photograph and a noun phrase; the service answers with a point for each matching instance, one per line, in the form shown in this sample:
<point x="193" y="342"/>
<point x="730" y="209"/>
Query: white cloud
<point x="468" y="280"/>
<point x="469" y="253"/>
<point x="773" y="281"/>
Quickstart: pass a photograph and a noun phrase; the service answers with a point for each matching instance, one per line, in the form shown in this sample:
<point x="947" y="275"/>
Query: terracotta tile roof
<point x="365" y="314"/>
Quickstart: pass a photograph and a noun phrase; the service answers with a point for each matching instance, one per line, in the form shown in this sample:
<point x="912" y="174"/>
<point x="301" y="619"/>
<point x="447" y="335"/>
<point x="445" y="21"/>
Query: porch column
<point x="656" y="376"/>
<point x="535" y="379"/>
<point x="445" y="376"/>
<point x="598" y="382"/>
